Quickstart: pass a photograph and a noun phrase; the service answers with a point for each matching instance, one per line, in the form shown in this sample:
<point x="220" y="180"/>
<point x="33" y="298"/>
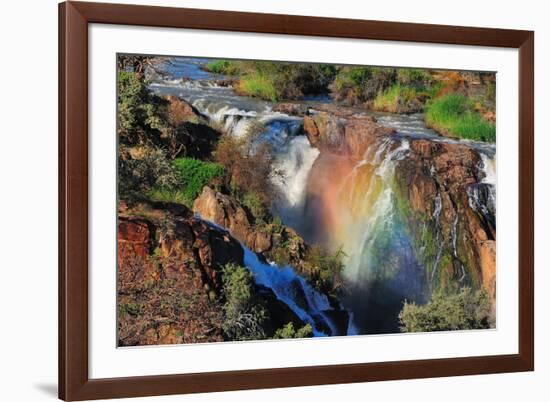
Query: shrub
<point x="356" y="85"/>
<point x="415" y="78"/>
<point x="397" y="99"/>
<point x="295" y="80"/>
<point x="248" y="170"/>
<point x="459" y="311"/>
<point x="491" y="93"/>
<point x="453" y="115"/>
<point x="244" y="313"/>
<point x="194" y="174"/>
<point x="324" y="269"/>
<point x="289" y="332"/>
<point x="194" y="318"/>
<point x="257" y="208"/>
<point x="141" y="169"/>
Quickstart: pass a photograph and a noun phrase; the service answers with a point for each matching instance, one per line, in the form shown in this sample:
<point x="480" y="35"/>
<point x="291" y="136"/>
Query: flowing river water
<point x="349" y="206"/>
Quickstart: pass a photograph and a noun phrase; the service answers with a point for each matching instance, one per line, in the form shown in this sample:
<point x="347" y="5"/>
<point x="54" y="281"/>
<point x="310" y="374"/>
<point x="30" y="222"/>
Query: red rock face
<point x="290" y="108"/>
<point x="169" y="265"/>
<point x="134" y="246"/>
<point x="134" y="235"/>
<point x="180" y="111"/>
<point x="350" y="135"/>
<point x="225" y="211"/>
<point x="447" y="170"/>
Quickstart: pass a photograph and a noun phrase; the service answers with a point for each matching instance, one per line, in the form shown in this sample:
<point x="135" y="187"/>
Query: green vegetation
<point x="398" y="99"/>
<point x="416" y="78"/>
<point x="458" y="311"/>
<point x="225" y="67"/>
<point x="324" y="269"/>
<point x="247" y="173"/>
<point x="259" y="85"/>
<point x="160" y="194"/>
<point x="253" y="202"/>
<point x="357" y="85"/>
<point x="244" y="313"/>
<point x="129" y="308"/>
<point x="140" y="113"/>
<point x="454" y="115"/>
<point x="142" y="169"/>
<point x="289" y="332"/>
<point x="194" y="174"/>
<point x="276" y="81"/>
<point x="191" y="176"/>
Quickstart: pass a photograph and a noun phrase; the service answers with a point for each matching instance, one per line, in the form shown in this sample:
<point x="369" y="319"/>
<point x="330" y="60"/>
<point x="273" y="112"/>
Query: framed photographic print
<point x="257" y="201"/>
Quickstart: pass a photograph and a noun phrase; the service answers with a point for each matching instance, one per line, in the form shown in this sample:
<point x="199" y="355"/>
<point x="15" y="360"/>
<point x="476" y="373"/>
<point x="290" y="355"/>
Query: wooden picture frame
<point x="74" y="381"/>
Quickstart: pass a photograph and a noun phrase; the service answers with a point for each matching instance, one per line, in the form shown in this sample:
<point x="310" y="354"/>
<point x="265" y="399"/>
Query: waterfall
<point x="291" y="172"/>
<point x="369" y="227"/>
<point x="293" y="290"/>
<point x="482" y="195"/>
<point x="436" y="216"/>
<point x="368" y="207"/>
<point x="290" y="288"/>
<point x="489" y="168"/>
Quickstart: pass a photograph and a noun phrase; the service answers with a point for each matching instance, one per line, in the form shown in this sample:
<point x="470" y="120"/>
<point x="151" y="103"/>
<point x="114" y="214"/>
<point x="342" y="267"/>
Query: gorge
<point x="410" y="213"/>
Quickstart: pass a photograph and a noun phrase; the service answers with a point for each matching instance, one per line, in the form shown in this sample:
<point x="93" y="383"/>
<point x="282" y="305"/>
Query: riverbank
<point x="456" y="104"/>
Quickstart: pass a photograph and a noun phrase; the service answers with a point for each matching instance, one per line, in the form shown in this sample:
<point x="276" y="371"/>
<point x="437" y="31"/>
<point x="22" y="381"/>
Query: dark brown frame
<point x="74" y="17"/>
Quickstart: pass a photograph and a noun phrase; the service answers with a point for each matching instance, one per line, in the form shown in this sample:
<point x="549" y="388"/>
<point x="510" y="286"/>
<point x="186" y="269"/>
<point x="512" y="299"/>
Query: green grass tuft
<point x="225" y="67"/>
<point x="258" y="85"/>
<point x="389" y="100"/>
<point x="453" y="115"/>
<point x="192" y="175"/>
<point x="167" y="195"/>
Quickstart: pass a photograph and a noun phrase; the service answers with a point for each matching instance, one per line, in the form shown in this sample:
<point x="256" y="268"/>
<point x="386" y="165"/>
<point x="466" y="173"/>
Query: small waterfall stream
<point x="293" y="290"/>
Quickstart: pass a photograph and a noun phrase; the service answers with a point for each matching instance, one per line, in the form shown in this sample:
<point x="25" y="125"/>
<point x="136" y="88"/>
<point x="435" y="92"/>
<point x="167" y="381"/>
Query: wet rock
<point x="340" y="319"/>
<point x="292" y="109"/>
<point x="343" y="135"/>
<point x="279" y="313"/>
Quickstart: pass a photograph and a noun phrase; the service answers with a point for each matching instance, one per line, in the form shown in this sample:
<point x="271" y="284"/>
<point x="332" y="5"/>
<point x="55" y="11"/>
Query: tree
<point x="137" y="64"/>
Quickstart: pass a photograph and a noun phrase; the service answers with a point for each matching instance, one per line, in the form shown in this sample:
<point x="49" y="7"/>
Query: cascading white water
<point x="482" y="195"/>
<point x="293" y="290"/>
<point x="291" y="172"/>
<point x="489" y="168"/>
<point x="436" y="216"/>
<point x="370" y="205"/>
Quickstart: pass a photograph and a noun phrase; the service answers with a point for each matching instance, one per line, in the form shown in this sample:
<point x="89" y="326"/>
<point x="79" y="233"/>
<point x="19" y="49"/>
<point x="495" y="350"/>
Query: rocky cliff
<point x="170" y="288"/>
